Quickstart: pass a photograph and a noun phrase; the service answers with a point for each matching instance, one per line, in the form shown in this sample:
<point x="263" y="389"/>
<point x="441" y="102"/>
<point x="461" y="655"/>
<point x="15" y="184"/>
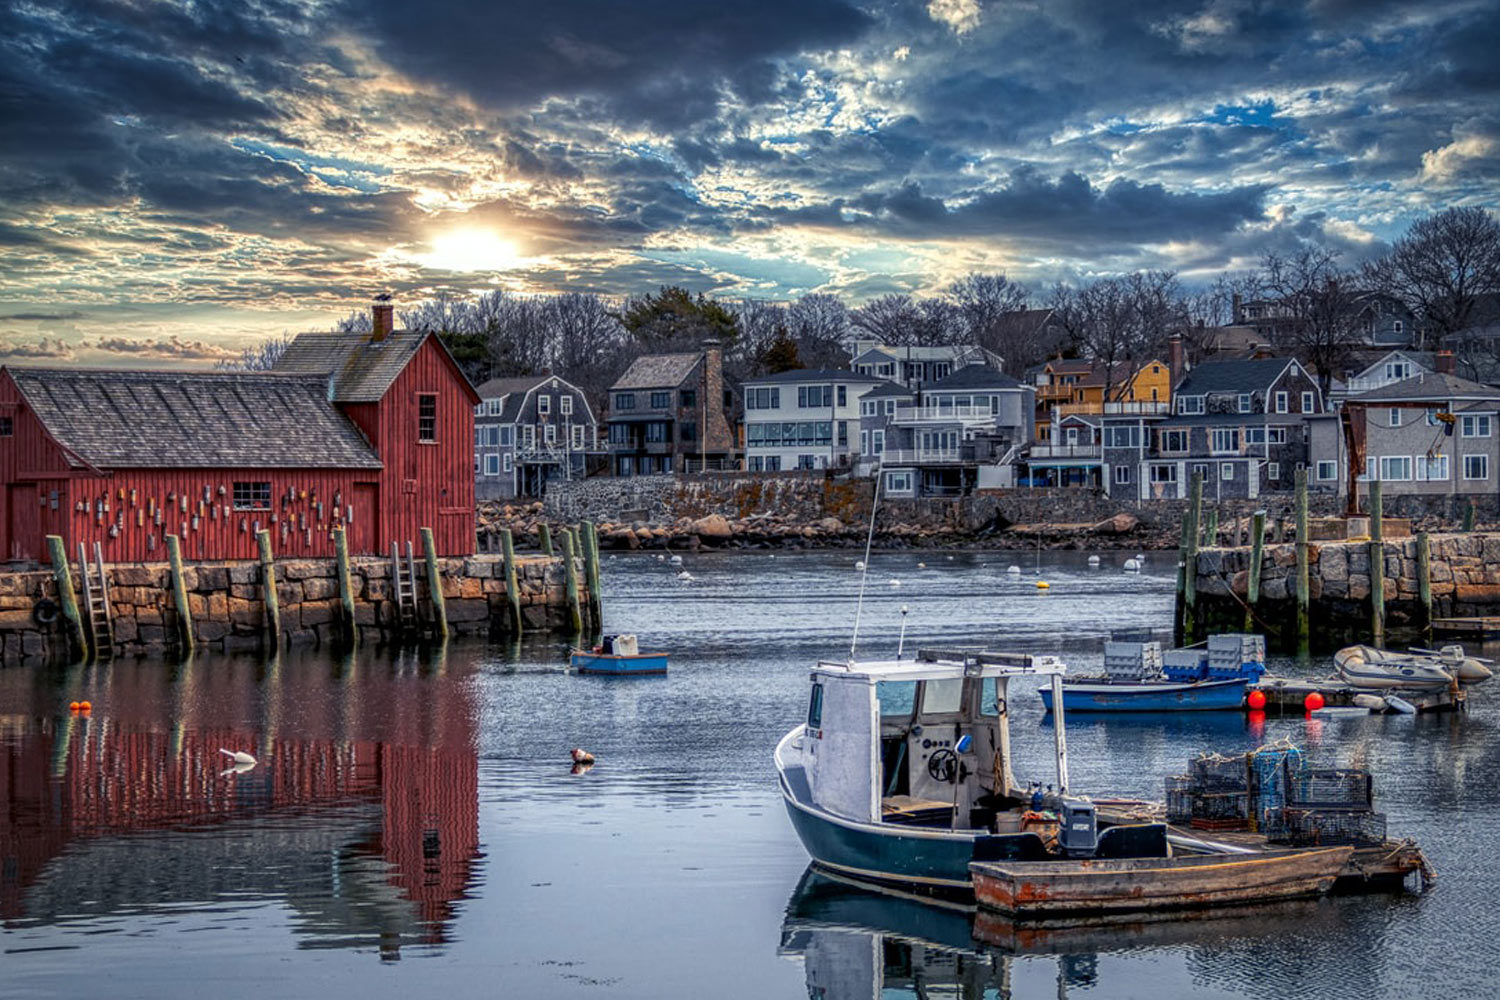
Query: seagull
<point x="684" y="576"/>
<point x="239" y="756"/>
<point x="581" y="756"/>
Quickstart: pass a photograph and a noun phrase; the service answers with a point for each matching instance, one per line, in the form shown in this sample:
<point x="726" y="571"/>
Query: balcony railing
<point x="926" y="456"/>
<point x="943" y="414"/>
<point x="1064" y="451"/>
<point x="1124" y="408"/>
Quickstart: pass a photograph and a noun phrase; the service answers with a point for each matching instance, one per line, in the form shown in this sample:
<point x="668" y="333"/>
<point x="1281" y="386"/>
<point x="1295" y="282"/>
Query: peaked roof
<point x="362" y="369"/>
<point x="497" y="387"/>
<point x="812" y="375"/>
<point x="974" y="377"/>
<point x="114" y="418"/>
<point x="1243" y="375"/>
<point x="514" y="390"/>
<point x="1429" y="385"/>
<point x="657" y="371"/>
<point x="890" y="389"/>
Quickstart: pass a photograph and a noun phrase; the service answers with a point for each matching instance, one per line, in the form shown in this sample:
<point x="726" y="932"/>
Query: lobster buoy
<point x="44" y="612"/>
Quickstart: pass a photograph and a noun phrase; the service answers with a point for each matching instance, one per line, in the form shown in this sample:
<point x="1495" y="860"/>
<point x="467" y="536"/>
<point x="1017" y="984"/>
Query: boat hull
<point x="1160" y="696"/>
<point x="1121" y="886"/>
<point x="1375" y="669"/>
<point x="616" y="665"/>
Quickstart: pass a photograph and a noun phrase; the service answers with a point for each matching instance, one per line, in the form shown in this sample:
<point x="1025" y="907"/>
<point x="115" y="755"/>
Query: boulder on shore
<point x="1121" y="524"/>
<point x="713" y="527"/>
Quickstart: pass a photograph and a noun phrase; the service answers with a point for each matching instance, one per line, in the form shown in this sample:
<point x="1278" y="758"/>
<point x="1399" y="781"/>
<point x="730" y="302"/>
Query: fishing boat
<point x="1139" y="678"/>
<point x="1368" y="667"/>
<point x="1095" y="886"/>
<point x="618" y="655"/>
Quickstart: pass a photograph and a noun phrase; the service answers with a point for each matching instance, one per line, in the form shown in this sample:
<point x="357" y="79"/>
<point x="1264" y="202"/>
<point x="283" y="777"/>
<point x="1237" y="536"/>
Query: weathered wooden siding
<point x="423" y="479"/>
<point x="32" y="468"/>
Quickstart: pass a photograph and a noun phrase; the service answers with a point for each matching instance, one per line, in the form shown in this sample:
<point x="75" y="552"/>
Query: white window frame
<point x="1423" y="467"/>
<point x="1483" y="462"/>
<point x="1273" y="470"/>
<point x="492" y="464"/>
<point x="864" y="442"/>
<point x="565" y="406"/>
<point x="1214" y="444"/>
<point x="577" y="437"/>
<point x="1122" y="475"/>
<point x="1476" y="425"/>
<point x="494" y="406"/>
<point x="507" y="463"/>
<point x="1309" y="402"/>
<point x="1246" y="402"/>
<point x="1189" y="405"/>
<point x="549" y="433"/>
<point x="543" y="405"/>
<point x="1394" y="418"/>
<point x="1164" y="473"/>
<point x="1395" y="468"/>
<point x="1226" y="471"/>
<point x="877" y="442"/>
<point x="898" y="482"/>
<point x="1282" y="401"/>
<point x="528" y="437"/>
<point x="1332" y="468"/>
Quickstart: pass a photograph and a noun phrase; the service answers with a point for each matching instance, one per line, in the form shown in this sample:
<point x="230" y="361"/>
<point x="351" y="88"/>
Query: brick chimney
<point x="1445" y="364"/>
<point x="382" y="318"/>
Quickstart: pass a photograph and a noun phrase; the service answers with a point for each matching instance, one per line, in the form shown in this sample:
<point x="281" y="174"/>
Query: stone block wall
<point x="226" y="602"/>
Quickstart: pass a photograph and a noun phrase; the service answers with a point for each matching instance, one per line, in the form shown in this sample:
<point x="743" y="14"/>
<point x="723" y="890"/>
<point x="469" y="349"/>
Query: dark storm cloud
<point x="667" y="62"/>
<point x="43" y="317"/>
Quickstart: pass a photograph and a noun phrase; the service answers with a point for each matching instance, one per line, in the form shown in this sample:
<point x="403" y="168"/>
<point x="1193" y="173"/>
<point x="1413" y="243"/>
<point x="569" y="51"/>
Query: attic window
<point x="252" y="496"/>
<point x="427" y="417"/>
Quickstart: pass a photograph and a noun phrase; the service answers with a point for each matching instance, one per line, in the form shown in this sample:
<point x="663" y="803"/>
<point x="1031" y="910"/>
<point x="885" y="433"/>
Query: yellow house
<point x="1076" y="386"/>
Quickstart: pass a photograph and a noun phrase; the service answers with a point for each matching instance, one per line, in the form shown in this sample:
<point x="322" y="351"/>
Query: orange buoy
<point x="73" y="706"/>
<point x="85" y="706"/>
<point x="1256" y="700"/>
<point x="1313" y="701"/>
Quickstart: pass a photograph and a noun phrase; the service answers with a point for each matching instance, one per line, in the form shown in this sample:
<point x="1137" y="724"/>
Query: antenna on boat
<point x="901" y="643"/>
<point x="864" y="570"/>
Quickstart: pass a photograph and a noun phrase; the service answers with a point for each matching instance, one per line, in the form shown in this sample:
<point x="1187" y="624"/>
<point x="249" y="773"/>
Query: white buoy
<point x="1093" y="560"/>
<point x="1014" y="571"/>
<point x="239" y="756"/>
<point x="684" y="576"/>
<point x="1131" y="566"/>
<point x="660" y="557"/>
<point x="950" y="558"/>
<point x="859" y="564"/>
<point x="1140" y="558"/>
<point x="921" y="565"/>
<point x="894" y="582"/>
<point x="676" y="560"/>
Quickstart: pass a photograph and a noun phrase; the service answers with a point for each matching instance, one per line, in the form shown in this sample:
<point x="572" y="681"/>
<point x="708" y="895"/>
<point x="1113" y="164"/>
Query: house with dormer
<point x="529" y="432"/>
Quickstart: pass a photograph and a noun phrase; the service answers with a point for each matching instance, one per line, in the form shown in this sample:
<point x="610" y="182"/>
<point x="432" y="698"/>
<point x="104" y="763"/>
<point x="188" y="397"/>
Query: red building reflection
<point x="377" y="759"/>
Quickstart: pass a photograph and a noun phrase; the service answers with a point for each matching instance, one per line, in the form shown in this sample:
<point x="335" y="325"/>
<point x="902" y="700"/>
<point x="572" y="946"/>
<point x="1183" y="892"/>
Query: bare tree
<point x="259" y="357"/>
<point x="1119" y="320"/>
<point x="761" y="323"/>
<point x="820" y="327"/>
<point x="989" y="308"/>
<point x="890" y="319"/>
<point x="585" y="341"/>
<point x="1312" y="309"/>
<point x="1442" y="265"/>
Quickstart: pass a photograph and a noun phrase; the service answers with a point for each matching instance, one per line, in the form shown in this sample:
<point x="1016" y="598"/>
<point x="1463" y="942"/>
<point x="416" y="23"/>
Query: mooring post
<point x="1257" y="549"/>
<point x="435" y="585"/>
<point x="346" y="588"/>
<point x="1377" y="568"/>
<point x="544" y="539"/>
<point x="512" y="592"/>
<point x="1211" y="532"/>
<point x="1190" y="564"/>
<point x="1178" y="611"/>
<point x="1468" y="516"/>
<point x="268" y="584"/>
<point x="570" y="580"/>
<point x="590" y="536"/>
<point x="78" y="647"/>
<point x="1304" y="630"/>
<point x="1424" y="583"/>
<point x="179" y="596"/>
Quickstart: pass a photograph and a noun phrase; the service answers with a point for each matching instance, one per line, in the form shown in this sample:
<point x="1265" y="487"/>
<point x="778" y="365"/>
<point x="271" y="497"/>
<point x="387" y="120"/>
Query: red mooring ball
<point x="1256" y="700"/>
<point x="1313" y="702"/>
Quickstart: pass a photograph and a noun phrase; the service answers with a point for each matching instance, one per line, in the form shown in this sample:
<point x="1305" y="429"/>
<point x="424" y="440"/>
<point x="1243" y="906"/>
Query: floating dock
<point x="1285" y="694"/>
<point x="1480" y="629"/>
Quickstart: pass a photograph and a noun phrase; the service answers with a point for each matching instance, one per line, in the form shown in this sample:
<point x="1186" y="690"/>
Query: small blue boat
<point x="1139" y="678"/>
<point x="618" y="655"/>
<point x="1149" y="696"/>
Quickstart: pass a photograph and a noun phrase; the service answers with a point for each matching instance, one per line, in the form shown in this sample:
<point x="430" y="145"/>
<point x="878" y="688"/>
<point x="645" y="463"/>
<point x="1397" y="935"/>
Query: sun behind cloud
<point x="470" y="250"/>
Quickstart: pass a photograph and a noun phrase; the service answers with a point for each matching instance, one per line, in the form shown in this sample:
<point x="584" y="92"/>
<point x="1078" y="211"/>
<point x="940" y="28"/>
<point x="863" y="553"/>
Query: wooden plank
<point x="435" y="584"/>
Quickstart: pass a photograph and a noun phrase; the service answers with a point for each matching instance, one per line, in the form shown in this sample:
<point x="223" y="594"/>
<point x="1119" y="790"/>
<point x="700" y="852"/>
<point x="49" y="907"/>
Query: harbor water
<point x="414" y="825"/>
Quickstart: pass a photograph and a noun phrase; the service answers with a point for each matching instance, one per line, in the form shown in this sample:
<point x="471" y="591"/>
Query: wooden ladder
<point x="404" y="590"/>
<point x="101" y="635"/>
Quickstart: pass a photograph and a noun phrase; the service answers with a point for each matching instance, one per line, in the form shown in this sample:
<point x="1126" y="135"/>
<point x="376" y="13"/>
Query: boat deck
<point x="1479" y="629"/>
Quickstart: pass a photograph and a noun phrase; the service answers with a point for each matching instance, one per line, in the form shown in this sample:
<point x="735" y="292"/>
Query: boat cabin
<point x="919" y="742"/>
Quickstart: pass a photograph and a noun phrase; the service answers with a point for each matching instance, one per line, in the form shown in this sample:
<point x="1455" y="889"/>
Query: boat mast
<point x="1060" y="734"/>
<point x="864" y="572"/>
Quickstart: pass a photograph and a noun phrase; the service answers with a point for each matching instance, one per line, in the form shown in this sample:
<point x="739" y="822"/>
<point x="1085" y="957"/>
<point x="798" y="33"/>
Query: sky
<point x="181" y="179"/>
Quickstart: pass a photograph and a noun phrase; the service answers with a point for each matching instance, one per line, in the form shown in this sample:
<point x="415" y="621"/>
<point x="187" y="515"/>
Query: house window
<point x="1174" y="441"/>
<point x="806" y="462"/>
<point x="1122" y="475"/>
<point x="843" y="395"/>
<point x="1328" y="471"/>
<point x="492" y="465"/>
<point x="843" y="433"/>
<point x="1189" y="405"/>
<point x="1308" y="406"/>
<point x="662" y="401"/>
<point x="625" y="401"/>
<point x="494" y="406"/>
<point x="1476" y="427"/>
<point x="898" y="482"/>
<point x="687" y="431"/>
<point x="814" y="397"/>
<point x="528" y="437"/>
<point x="543" y="405"/>
<point x="867" y="408"/>
<point x="687" y="398"/>
<point x="1394" y="418"/>
<point x="864" y="442"/>
<point x="1164" y="473"/>
<point x="577" y="435"/>
<point x="252" y="496"/>
<point x="1398" y="326"/>
<point x="1281" y="402"/>
<point x="549" y="433"/>
<point x="1244" y="402"/>
<point x="1201" y="471"/>
<point x="1432" y="468"/>
<point x="565" y="406"/>
<point x="656" y="432"/>
<point x="773" y="463"/>
<point x="506" y="433"/>
<point x="7" y="427"/>
<point x="507" y="462"/>
<point x="1226" y="439"/>
<point x="1476" y="466"/>
<point x="1226" y="471"/>
<point x="890" y="407"/>
<point x="1273" y="470"/>
<point x="427" y="417"/>
<point x="877" y="442"/>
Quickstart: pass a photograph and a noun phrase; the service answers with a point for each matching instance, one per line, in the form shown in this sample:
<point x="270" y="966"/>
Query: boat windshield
<point x="897" y="698"/>
<point x="943" y="697"/>
<point x="988" y="698"/>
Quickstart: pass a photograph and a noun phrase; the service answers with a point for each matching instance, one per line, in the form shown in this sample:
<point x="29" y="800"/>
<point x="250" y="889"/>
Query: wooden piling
<point x="1257" y="550"/>
<point x="512" y="590"/>
<point x="544" y="539"/>
<point x="435" y="586"/>
<point x="1211" y="531"/>
<point x="179" y="596"/>
<point x="1377" y="567"/>
<point x="1377" y="510"/>
<point x="63" y="574"/>
<point x="1304" y="631"/>
<point x="268" y="584"/>
<point x="346" y="588"/>
<point x="1468" y="516"/>
<point x="570" y="579"/>
<point x="1424" y="583"/>
<point x="1190" y="565"/>
<point x="1179" y="607"/>
<point x="590" y="536"/>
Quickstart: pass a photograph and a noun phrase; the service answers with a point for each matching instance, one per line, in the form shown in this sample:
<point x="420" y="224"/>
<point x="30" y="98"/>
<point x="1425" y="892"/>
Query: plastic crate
<point x="1343" y="789"/>
<point x="1328" y="827"/>
<point x="1184" y="665"/>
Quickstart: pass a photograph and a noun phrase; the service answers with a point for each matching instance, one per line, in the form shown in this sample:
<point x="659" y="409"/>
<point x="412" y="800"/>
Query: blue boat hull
<point x="606" y="663"/>
<point x="1164" y="696"/>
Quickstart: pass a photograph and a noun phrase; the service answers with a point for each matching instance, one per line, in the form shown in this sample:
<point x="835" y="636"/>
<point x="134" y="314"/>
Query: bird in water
<point x="581" y="756"/>
<point x="239" y="756"/>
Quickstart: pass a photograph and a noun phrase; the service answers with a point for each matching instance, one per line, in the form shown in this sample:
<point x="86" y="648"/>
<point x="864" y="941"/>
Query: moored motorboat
<point x="1099" y="695"/>
<point x="1139" y="678"/>
<point x="1368" y="667"/>
<point x="1094" y="886"/>
<point x="617" y="655"/>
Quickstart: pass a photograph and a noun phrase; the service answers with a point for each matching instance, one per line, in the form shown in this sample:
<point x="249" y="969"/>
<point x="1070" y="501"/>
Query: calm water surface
<point x="413" y="829"/>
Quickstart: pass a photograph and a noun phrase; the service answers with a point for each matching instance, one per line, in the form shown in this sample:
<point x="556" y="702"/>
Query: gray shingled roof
<point x="1231" y="376"/>
<point x="889" y="389"/>
<point x="112" y="418"/>
<point x="1429" y="385"/>
<point x="362" y="369"/>
<point x="657" y="371"/>
<point x="497" y="387"/>
<point x="973" y="377"/>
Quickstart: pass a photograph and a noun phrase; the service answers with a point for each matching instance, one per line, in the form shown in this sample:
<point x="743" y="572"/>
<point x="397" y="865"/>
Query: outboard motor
<point x="1078" y="827"/>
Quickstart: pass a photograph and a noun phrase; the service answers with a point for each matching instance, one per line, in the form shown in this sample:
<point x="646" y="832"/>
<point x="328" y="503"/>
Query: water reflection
<point x="360" y="814"/>
<point x="863" y="942"/>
